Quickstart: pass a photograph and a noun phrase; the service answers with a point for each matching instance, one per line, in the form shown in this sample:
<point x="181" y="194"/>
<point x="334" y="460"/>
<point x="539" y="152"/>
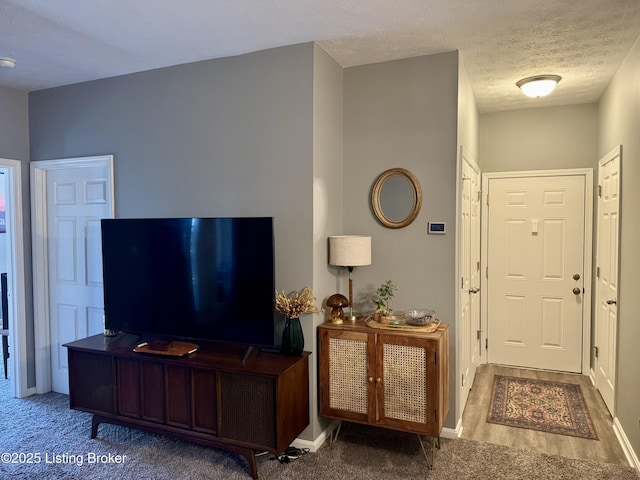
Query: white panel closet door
<point x="77" y="198"/>
<point x="606" y="321"/>
<point x="470" y="351"/>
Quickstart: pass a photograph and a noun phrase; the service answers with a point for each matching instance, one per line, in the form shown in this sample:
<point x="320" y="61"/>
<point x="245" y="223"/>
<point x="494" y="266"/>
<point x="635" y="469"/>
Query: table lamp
<point x="349" y="251"/>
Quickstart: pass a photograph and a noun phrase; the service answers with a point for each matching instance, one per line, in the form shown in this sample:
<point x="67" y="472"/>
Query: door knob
<point x="474" y="290"/>
<point x="576" y="276"/>
<point x="576" y="291"/>
<point x="612" y="301"/>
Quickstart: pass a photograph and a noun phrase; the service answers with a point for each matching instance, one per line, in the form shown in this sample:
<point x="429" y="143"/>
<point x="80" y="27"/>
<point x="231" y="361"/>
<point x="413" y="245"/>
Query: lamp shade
<point x="349" y="250"/>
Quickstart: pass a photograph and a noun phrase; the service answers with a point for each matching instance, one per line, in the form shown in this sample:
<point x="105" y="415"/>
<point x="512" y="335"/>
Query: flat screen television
<point x="190" y="278"/>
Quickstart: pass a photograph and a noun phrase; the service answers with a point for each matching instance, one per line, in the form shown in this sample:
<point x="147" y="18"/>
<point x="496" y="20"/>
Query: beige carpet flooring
<point x="44" y="425"/>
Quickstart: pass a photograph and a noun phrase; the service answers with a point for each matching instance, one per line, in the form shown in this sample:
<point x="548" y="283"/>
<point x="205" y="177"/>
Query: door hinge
<point x="486" y="272"/>
<point x="462" y="380"/>
<point x="598" y="272"/>
<point x="478" y="334"/>
<point x="479" y="195"/>
<point x="461" y="282"/>
<point x="435" y="358"/>
<point x="486" y="343"/>
<point x="477" y="266"/>
<point x="599" y="190"/>
<point x="596" y="351"/>
<point x="487" y="199"/>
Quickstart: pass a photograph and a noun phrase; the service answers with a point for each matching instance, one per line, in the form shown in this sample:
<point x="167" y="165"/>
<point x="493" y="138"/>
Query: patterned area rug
<point x="551" y="407"/>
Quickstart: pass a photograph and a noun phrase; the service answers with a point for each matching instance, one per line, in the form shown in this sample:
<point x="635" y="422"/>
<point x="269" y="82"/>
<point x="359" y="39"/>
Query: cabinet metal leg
<point x="429" y="456"/>
<point x="333" y="436"/>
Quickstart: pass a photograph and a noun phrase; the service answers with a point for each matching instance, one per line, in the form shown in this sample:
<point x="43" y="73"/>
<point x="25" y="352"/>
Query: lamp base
<point x="337" y="315"/>
<point x="351" y="317"/>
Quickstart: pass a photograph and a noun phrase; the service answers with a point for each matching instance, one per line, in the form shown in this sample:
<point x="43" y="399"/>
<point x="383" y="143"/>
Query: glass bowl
<point x="419" y="316"/>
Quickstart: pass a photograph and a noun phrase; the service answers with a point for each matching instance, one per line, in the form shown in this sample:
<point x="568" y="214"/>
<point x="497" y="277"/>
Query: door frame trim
<point x="587" y="173"/>
<point x="16" y="281"/>
<point x="42" y="335"/>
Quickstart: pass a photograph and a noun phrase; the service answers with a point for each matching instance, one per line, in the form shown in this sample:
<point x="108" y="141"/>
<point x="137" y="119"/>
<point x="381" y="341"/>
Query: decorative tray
<point x="402" y="325"/>
<point x="173" y="349"/>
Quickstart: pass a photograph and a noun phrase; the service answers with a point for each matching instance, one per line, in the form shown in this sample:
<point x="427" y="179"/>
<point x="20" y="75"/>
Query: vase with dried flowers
<point x="292" y="306"/>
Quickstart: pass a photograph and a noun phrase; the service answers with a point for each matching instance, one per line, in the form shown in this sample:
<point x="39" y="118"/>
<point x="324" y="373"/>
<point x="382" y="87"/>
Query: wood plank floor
<point x="474" y="425"/>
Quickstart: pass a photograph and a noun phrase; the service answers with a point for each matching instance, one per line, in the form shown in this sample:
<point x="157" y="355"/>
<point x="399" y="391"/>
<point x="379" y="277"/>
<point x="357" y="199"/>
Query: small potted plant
<point x="384" y="294"/>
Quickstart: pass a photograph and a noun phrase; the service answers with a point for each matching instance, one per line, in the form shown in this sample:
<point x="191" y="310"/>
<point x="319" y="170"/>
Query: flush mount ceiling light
<point x="7" y="62"/>
<point x="538" y="85"/>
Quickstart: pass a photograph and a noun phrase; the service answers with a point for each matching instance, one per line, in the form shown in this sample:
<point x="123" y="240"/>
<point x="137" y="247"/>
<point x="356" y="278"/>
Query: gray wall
<point x="539" y="138"/>
<point x="217" y="138"/>
<point x="14" y="125"/>
<point x="619" y="120"/>
<point x="14" y="145"/>
<point x="404" y="114"/>
<point x="286" y="132"/>
<point x="327" y="202"/>
<point x="227" y="137"/>
<point x="261" y="134"/>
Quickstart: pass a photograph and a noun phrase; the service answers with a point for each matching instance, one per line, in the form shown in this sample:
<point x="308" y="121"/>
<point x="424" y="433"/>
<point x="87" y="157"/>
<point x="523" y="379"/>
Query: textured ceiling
<point x="58" y="42"/>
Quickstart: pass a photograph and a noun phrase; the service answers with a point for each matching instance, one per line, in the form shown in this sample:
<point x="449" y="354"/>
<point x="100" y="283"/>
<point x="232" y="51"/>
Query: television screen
<point x="191" y="278"/>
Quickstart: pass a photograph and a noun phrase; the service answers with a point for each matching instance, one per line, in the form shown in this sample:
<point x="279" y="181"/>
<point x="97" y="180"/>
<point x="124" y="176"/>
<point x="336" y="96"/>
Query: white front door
<point x="76" y="199"/>
<point x="470" y="274"/>
<point x="606" y="321"/>
<point x="536" y="272"/>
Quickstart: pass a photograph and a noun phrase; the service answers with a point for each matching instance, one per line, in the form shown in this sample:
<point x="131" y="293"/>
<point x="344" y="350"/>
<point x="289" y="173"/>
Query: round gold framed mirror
<point x="396" y="198"/>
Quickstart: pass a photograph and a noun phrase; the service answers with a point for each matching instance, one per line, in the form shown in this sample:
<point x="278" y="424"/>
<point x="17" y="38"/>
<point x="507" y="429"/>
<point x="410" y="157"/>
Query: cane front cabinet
<point x="394" y="378"/>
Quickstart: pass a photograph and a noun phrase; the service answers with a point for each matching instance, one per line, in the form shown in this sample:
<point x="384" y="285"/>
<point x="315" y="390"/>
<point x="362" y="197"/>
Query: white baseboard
<point x="314" y="445"/>
<point x="452" y="432"/>
<point x="28" y="392"/>
<point x="632" y="458"/>
<point x="629" y="453"/>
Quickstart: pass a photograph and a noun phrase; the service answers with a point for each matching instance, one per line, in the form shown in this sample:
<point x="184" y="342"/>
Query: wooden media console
<point x="218" y="396"/>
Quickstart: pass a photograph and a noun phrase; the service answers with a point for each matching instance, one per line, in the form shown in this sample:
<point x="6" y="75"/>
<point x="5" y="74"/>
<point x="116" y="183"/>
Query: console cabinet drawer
<point x="127" y="388"/>
<point x="91" y="382"/>
<point x="152" y="391"/>
<point x="205" y="404"/>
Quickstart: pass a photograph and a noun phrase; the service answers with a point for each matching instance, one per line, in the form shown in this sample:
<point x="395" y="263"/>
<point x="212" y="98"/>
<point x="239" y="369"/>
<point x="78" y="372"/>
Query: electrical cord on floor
<point x="290" y="454"/>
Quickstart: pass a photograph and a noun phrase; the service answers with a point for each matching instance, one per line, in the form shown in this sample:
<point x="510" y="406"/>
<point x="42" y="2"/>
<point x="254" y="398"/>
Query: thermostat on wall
<point x="436" y="228"/>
